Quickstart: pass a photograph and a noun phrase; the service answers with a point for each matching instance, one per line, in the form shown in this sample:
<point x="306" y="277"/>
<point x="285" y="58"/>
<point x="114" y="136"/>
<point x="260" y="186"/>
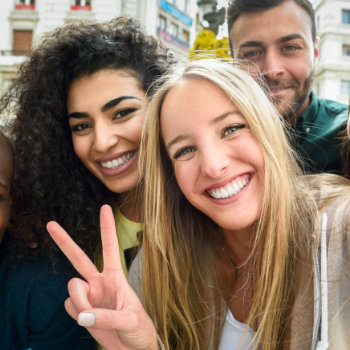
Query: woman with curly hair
<point x="240" y="250"/>
<point x="79" y="102"/>
<point x="31" y="293"/>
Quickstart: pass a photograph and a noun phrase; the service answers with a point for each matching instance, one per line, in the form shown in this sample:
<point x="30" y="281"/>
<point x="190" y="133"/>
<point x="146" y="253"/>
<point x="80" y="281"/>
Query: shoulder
<point x="135" y="276"/>
<point x="331" y="109"/>
<point x="32" y="308"/>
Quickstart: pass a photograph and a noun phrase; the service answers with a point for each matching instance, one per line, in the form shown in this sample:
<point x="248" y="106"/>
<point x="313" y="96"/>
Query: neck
<point x="238" y="244"/>
<point x="300" y="111"/>
<point x="129" y="207"/>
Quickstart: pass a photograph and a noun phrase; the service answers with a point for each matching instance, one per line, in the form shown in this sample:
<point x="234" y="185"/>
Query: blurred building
<point x="23" y="21"/>
<point x="332" y="76"/>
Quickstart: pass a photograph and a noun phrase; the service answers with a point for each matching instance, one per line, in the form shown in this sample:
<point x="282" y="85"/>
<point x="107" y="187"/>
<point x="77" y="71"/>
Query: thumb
<point x="123" y="321"/>
<point x="128" y="328"/>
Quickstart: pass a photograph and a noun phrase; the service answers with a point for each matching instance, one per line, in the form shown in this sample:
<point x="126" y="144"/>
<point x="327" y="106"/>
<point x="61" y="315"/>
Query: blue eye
<point x="252" y="55"/>
<point x="290" y="48"/>
<point x="183" y="151"/>
<point x="232" y="129"/>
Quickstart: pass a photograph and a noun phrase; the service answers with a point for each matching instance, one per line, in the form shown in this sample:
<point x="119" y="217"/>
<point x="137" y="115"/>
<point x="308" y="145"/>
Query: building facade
<point x="23" y="21"/>
<point x="332" y="75"/>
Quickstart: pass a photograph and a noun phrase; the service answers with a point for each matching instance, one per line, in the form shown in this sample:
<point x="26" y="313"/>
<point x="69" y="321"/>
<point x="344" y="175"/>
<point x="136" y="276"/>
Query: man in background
<point x="279" y="36"/>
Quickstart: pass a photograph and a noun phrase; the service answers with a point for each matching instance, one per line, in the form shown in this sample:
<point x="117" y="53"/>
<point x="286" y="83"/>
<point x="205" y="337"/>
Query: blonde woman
<point x="239" y="249"/>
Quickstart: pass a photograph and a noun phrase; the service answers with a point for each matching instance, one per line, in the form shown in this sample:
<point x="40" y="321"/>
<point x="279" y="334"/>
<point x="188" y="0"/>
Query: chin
<point x="122" y="188"/>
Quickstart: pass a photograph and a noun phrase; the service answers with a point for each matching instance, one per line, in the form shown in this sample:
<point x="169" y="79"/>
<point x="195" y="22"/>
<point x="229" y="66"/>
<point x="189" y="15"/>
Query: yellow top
<point x="127" y="237"/>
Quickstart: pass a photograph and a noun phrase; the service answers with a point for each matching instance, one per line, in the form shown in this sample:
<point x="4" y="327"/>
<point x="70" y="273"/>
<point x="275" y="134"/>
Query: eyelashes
<point x="232" y="129"/>
<point x="184" y="151"/>
<point x="118" y="116"/>
<point x="124" y="113"/>
<point x="229" y="132"/>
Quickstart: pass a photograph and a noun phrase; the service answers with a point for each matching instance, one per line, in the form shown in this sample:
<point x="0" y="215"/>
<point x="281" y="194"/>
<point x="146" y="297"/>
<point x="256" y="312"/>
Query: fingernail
<point x="86" y="319"/>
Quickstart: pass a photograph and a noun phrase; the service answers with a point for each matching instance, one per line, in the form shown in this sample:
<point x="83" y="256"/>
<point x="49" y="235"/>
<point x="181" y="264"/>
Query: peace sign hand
<point x="105" y="303"/>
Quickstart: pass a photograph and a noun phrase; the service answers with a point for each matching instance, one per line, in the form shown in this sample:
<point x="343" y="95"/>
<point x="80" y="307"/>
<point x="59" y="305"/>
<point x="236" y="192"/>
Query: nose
<point x="214" y="162"/>
<point x="272" y="67"/>
<point x="104" y="137"/>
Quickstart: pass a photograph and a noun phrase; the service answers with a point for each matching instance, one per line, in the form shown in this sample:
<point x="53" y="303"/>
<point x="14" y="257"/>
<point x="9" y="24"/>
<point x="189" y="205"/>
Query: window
<point x="346" y="50"/>
<point x="81" y="5"/>
<point x="185" y="35"/>
<point x="346" y="16"/>
<point x="162" y="22"/>
<point x="25" y="4"/>
<point x="22" y="42"/>
<point x="345" y="87"/>
<point x="174" y="29"/>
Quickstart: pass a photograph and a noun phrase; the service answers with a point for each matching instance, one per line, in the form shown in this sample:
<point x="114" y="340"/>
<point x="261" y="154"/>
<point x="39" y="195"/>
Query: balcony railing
<point x="15" y="52"/>
<point x="80" y="7"/>
<point x="24" y="7"/>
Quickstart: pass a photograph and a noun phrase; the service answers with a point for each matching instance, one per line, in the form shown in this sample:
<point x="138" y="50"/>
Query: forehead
<point x="192" y="94"/>
<point x="193" y="104"/>
<point x="101" y="86"/>
<point x="270" y="25"/>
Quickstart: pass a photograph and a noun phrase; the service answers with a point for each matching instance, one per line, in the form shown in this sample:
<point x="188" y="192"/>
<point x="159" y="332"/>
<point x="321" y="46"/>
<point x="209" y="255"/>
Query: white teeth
<point x="223" y="193"/>
<point x="230" y="190"/>
<point x="116" y="163"/>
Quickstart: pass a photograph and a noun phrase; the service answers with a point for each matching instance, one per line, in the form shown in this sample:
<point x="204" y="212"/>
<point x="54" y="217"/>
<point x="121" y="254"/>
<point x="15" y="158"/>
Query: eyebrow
<point x="283" y="39"/>
<point x="105" y="107"/>
<point x="213" y="122"/>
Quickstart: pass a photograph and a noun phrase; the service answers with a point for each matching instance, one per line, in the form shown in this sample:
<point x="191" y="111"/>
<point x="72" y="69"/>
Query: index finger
<point x="110" y="246"/>
<point x="71" y="250"/>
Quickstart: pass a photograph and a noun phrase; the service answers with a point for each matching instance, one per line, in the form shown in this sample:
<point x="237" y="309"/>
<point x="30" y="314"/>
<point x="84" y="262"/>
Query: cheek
<point x="4" y="215"/>
<point x="136" y="130"/>
<point x="183" y="179"/>
<point x="303" y="67"/>
<point x="80" y="147"/>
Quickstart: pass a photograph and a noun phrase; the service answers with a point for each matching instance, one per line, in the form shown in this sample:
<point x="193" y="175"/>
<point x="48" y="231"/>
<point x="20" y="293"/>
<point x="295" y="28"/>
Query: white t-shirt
<point x="232" y="334"/>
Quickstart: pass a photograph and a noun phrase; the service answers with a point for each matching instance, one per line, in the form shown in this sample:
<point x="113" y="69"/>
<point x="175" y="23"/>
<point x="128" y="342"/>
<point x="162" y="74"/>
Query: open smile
<point x="231" y="189"/>
<point x="117" y="162"/>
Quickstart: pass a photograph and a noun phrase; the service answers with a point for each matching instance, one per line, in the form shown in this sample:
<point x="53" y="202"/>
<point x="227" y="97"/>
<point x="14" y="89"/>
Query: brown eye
<point x="124" y="113"/>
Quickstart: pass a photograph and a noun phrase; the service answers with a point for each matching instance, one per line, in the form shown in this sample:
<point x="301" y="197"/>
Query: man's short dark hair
<point x="237" y="7"/>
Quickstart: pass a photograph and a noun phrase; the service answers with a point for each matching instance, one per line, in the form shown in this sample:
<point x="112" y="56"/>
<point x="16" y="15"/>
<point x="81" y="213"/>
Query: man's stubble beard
<point x="289" y="110"/>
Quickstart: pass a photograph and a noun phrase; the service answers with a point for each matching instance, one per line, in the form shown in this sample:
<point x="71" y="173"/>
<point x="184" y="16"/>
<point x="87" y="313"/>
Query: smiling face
<point x="279" y="41"/>
<point x="106" y="112"/>
<point x="6" y="172"/>
<point x="217" y="162"/>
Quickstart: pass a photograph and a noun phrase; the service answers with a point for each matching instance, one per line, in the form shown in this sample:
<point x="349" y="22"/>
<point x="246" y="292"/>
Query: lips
<point x="117" y="164"/>
<point x="230" y="189"/>
<point x="278" y="89"/>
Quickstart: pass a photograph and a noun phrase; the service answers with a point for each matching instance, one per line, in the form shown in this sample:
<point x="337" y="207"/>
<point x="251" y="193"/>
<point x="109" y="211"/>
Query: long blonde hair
<point x="179" y="278"/>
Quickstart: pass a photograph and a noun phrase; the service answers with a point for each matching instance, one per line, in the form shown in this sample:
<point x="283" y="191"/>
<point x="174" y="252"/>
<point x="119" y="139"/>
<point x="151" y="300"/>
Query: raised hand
<point x="105" y="303"/>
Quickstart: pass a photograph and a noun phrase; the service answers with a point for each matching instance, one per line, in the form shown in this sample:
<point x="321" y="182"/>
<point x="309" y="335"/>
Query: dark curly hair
<point x="50" y="181"/>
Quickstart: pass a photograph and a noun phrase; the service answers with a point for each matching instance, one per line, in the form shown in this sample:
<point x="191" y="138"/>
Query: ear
<point x="316" y="51"/>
